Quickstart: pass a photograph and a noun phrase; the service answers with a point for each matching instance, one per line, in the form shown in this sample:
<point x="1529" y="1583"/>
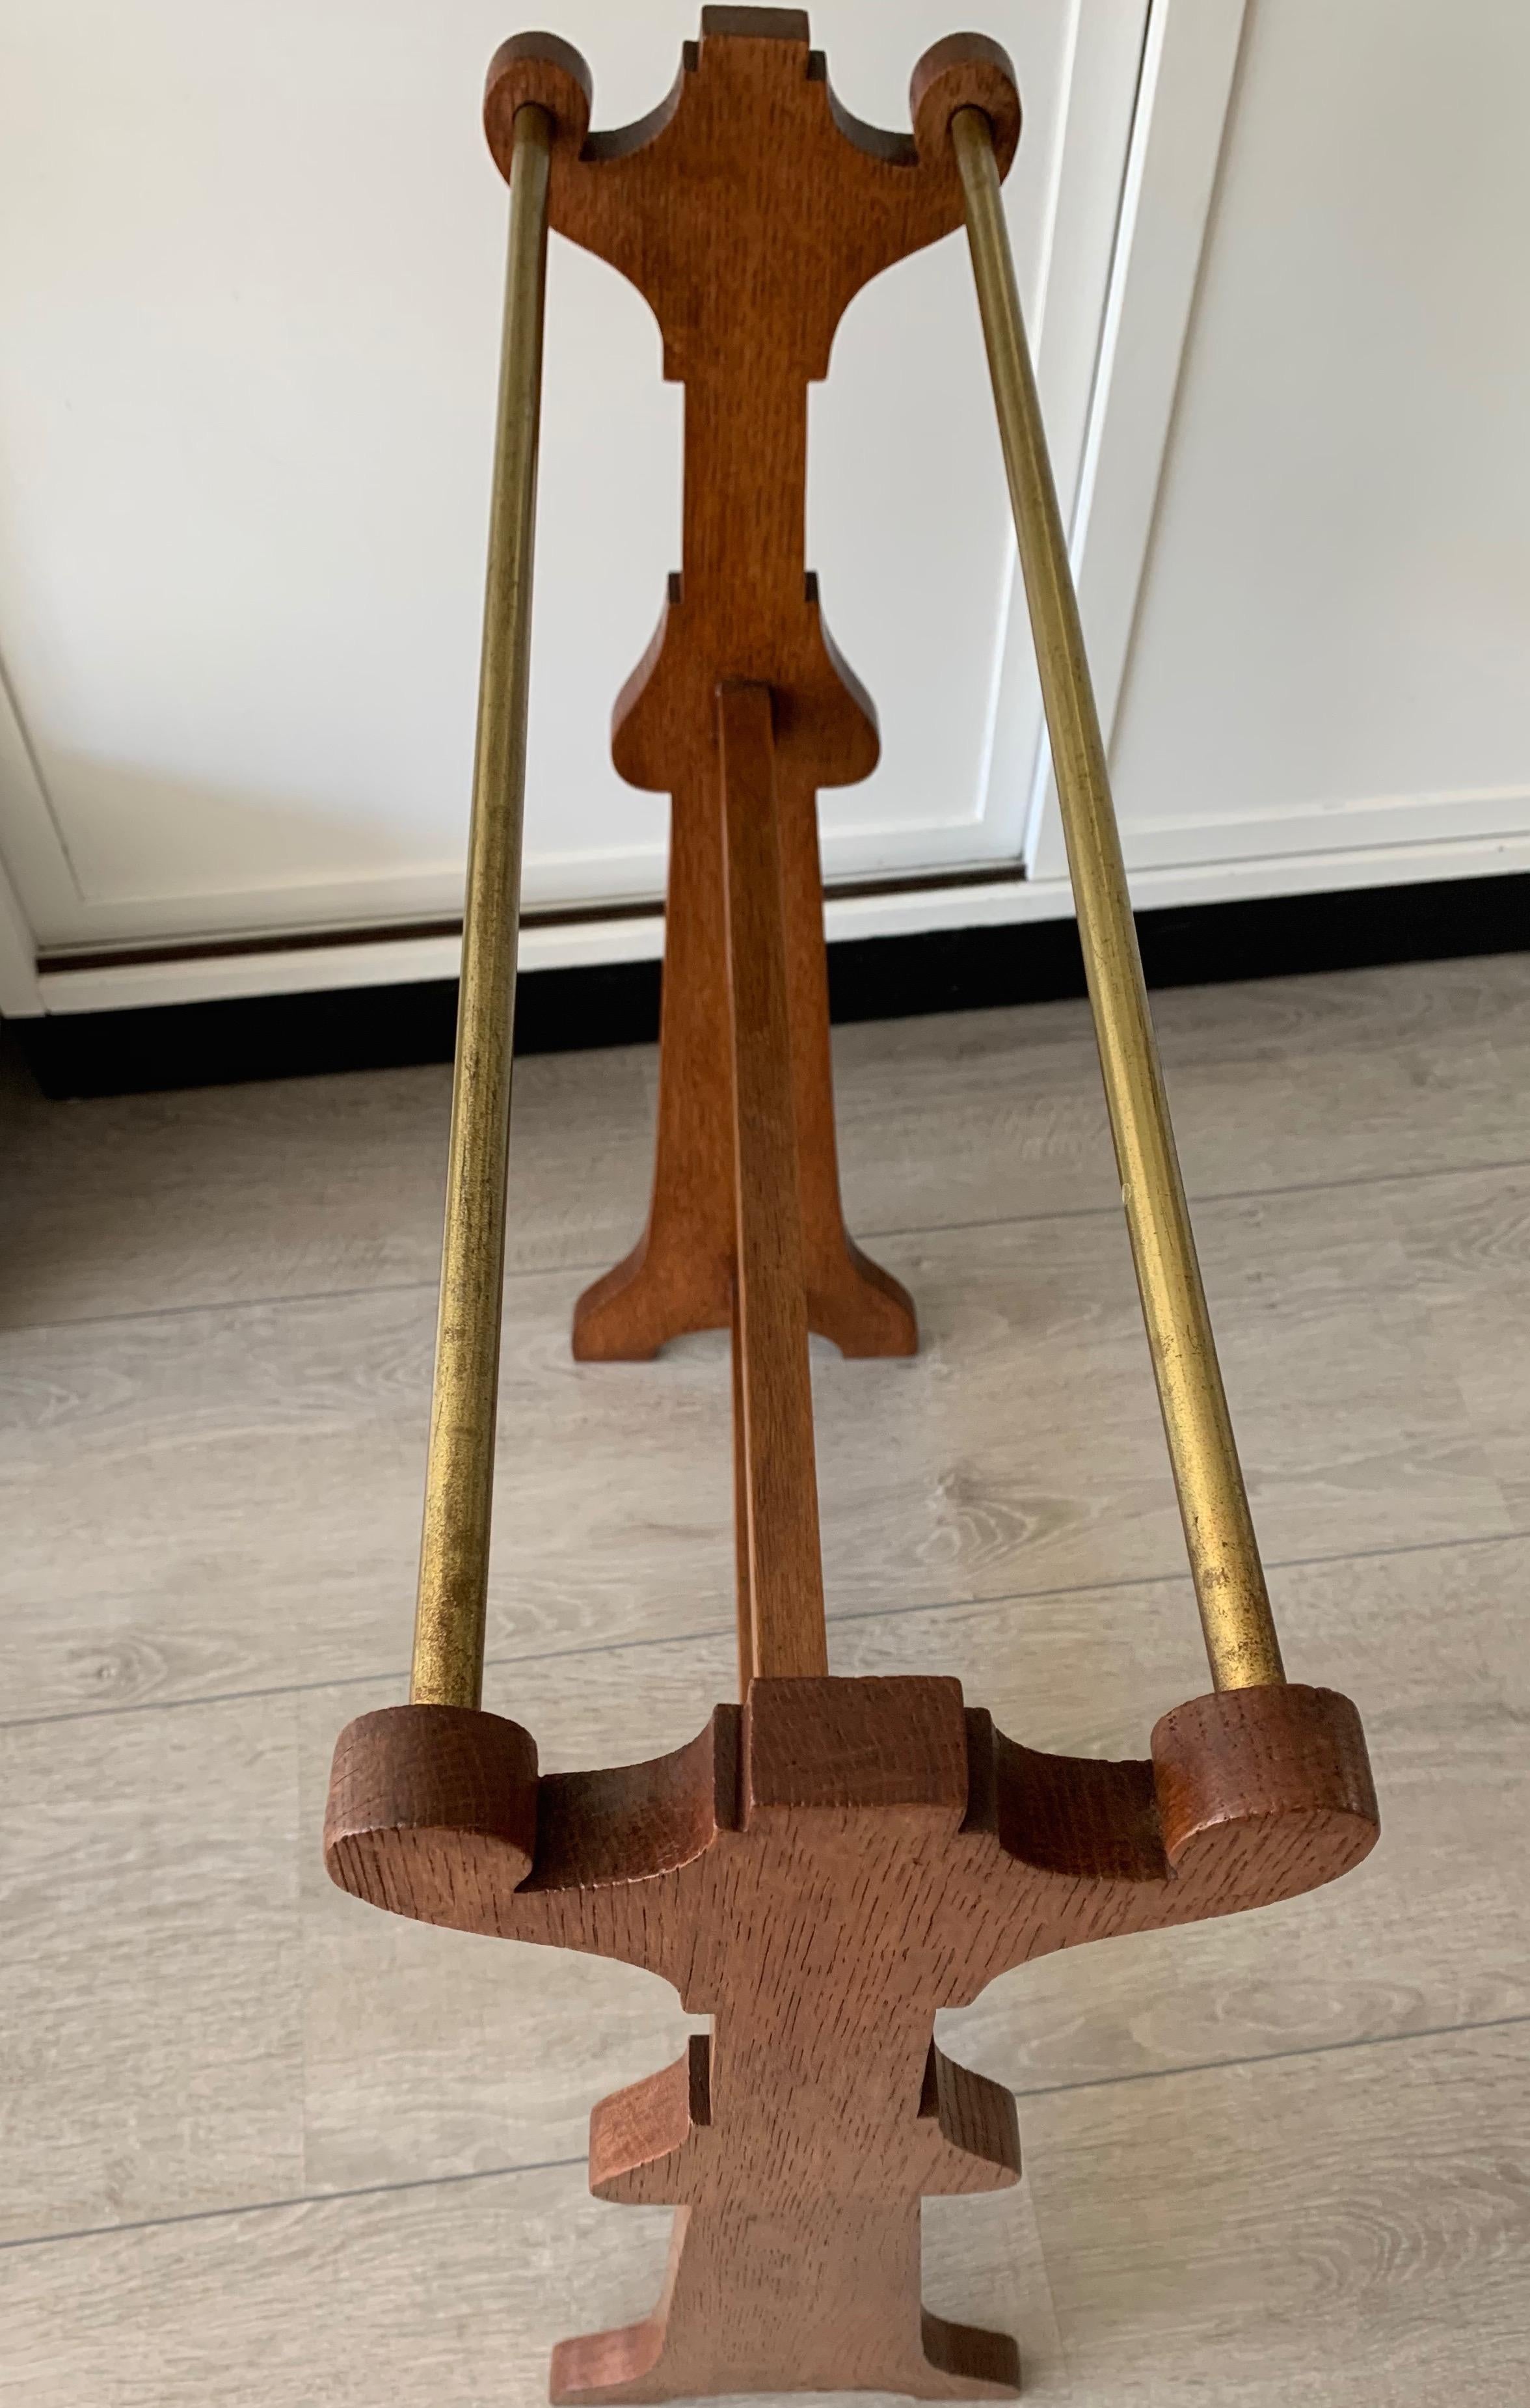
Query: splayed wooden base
<point x="820" y="1871"/>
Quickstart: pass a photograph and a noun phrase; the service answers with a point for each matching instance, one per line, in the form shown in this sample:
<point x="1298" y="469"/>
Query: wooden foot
<point x="810" y="2280"/>
<point x="679" y="1276"/>
<point x="788" y="2304"/>
<point x="820" y="1872"/>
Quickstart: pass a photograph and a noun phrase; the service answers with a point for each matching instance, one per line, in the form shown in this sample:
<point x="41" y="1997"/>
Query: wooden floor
<point x="261" y="2147"/>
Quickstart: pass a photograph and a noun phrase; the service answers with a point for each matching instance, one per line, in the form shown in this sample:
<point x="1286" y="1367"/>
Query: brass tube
<point x="1230" y="1590"/>
<point x="460" y="1465"/>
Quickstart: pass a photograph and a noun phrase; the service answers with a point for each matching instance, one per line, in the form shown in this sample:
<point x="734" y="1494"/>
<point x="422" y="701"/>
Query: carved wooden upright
<point x="820" y="1872"/>
<point x="748" y="210"/>
<point x="833" y="1861"/>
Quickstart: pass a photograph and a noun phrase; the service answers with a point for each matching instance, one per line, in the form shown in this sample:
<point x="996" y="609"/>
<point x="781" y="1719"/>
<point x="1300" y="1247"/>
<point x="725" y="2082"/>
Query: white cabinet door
<point x="1312" y="628"/>
<point x="250" y="268"/>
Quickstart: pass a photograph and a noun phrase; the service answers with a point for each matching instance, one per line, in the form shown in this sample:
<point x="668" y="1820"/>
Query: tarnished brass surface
<point x="459" y="1468"/>
<point x="1229" y="1579"/>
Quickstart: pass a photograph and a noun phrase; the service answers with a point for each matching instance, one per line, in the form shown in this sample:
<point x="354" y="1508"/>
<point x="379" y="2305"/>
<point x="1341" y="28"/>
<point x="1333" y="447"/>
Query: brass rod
<point x="1230" y="1589"/>
<point x="459" y="1466"/>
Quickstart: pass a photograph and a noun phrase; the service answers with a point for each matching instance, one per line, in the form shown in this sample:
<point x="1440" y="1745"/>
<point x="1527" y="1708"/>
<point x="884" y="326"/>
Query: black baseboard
<point x="876" y="978"/>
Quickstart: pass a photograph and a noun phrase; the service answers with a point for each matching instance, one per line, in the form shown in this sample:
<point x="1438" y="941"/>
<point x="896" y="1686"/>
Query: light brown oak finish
<point x="820" y="1872"/>
<point x="781" y="1570"/>
<point x="1345" y="2231"/>
<point x="825" y="1868"/>
<point x="749" y="210"/>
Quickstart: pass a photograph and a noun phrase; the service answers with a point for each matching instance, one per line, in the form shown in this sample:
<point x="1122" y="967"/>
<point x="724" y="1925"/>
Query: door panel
<point x="1333" y="621"/>
<point x="249" y="275"/>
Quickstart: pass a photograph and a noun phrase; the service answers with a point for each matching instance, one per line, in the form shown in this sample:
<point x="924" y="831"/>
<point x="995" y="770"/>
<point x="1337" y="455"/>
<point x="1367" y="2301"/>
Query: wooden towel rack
<point x="831" y="1860"/>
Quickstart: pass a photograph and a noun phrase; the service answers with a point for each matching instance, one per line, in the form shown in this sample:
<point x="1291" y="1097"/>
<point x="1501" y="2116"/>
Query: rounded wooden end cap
<point x="964" y="71"/>
<point x="1252" y="1758"/>
<point x="544" y="70"/>
<point x="432" y="1810"/>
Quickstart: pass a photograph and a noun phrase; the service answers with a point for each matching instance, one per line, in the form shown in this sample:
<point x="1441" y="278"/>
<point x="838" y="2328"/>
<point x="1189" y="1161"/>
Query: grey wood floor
<point x="262" y="2148"/>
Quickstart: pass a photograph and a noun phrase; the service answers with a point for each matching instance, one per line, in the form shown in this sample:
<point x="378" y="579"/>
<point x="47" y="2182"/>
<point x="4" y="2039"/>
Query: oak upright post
<point x="749" y="210"/>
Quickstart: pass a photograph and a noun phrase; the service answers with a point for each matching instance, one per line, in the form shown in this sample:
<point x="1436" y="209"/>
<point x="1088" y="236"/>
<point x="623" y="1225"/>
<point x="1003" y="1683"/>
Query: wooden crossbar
<point x="781" y="1603"/>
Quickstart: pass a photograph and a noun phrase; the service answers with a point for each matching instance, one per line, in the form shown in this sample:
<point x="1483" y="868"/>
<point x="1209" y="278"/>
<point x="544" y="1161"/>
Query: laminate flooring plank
<point x="150" y="1966"/>
<point x="435" y="2052"/>
<point x="312" y="1185"/>
<point x="1430" y="1932"/>
<point x="1348" y="2230"/>
<point x="446" y="2297"/>
<point x="1350" y="1075"/>
<point x="1467" y="1247"/>
<point x="228" y="1498"/>
<point x="297" y="1186"/>
<point x="211" y="1506"/>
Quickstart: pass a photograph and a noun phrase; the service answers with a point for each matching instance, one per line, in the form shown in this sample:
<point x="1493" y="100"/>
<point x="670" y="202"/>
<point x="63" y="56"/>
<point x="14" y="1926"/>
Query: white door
<point x="1310" y="616"/>
<point x="250" y="268"/>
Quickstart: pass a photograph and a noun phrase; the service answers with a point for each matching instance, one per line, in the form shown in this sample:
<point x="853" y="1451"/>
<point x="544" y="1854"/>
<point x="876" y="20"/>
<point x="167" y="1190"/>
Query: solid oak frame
<point x="820" y="1871"/>
<point x="833" y="1861"/>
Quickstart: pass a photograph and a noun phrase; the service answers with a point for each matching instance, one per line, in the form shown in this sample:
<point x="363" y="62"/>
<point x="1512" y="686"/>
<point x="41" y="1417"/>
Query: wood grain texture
<point x="150" y="1972"/>
<point x="269" y="1457"/>
<point x="458" y="1801"/>
<point x="780" y="1584"/>
<point x="820" y="1872"/>
<point x="749" y="210"/>
<point x="327" y="1185"/>
<point x="1428" y="1933"/>
<point x="180" y="2045"/>
<point x="1296" y="2231"/>
<point x="426" y="2297"/>
<point x="1471" y="1266"/>
<point x="1348" y="2231"/>
<point x="223" y="1499"/>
